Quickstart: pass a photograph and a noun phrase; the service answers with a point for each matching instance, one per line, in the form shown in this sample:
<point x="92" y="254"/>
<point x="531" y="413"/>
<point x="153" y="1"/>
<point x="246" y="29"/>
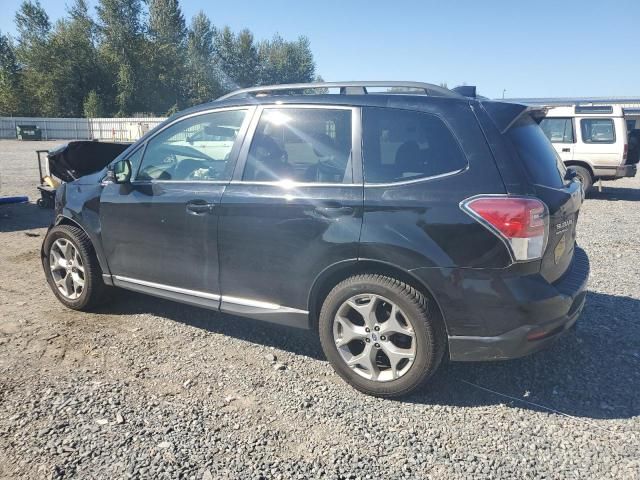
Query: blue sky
<point x="531" y="49"/>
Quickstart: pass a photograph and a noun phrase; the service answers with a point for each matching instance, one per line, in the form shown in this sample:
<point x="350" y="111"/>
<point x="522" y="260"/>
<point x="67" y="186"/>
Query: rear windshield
<point x="536" y="151"/>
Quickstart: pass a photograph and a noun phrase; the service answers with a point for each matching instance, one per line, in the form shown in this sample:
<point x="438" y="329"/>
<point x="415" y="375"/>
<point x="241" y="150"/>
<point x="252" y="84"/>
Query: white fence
<point x="114" y="129"/>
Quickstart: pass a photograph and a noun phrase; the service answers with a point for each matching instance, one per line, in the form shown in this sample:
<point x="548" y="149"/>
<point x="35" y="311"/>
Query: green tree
<point x="34" y="57"/>
<point x="286" y="62"/>
<point x="75" y="69"/>
<point x="202" y="84"/>
<point x="226" y="58"/>
<point x="166" y="67"/>
<point x="11" y="93"/>
<point x="121" y="49"/>
<point x="32" y="23"/>
<point x="246" y="72"/>
<point x="92" y="107"/>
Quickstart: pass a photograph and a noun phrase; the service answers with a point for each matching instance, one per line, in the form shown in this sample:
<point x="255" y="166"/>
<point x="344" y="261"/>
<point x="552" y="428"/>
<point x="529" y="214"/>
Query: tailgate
<point x="563" y="198"/>
<point x="564" y="207"/>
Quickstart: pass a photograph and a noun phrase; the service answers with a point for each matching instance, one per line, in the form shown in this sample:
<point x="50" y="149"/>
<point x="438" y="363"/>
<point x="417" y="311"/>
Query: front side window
<point x="558" y="130"/>
<point x="194" y="149"/>
<point x="302" y="145"/>
<point x="400" y="145"/>
<point x="597" y="130"/>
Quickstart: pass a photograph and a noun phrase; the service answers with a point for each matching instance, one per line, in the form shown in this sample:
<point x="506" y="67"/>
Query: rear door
<point x="160" y="230"/>
<point x="563" y="198"/>
<point x="293" y="208"/>
<point x="602" y="141"/>
<point x="561" y="132"/>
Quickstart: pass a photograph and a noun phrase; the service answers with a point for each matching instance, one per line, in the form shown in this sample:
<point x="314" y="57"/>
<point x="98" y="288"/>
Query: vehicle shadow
<point x="297" y="341"/>
<point x="24" y="216"/>
<point x="593" y="371"/>
<point x="615" y="194"/>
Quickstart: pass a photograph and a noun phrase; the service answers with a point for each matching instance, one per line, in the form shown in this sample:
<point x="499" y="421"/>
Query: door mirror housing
<point x="121" y="171"/>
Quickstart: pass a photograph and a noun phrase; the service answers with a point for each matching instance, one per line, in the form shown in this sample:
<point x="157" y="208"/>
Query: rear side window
<point x="400" y="145"/>
<point x="597" y="130"/>
<point x="301" y="144"/>
<point x="540" y="158"/>
<point x="558" y="130"/>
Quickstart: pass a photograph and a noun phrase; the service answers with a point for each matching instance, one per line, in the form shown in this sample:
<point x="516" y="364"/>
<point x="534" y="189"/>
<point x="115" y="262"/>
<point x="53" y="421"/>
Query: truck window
<point x="597" y="130"/>
<point x="558" y="130"/>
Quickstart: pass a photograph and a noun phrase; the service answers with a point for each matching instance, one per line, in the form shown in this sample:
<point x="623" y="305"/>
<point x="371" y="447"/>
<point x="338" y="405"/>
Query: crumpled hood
<point x="73" y="160"/>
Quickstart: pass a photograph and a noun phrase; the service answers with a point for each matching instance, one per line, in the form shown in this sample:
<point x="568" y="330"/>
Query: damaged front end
<point x="73" y="160"/>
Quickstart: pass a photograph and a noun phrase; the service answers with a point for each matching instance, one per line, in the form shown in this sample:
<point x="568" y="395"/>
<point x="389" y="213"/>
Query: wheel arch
<point x="65" y="220"/>
<point x="334" y="274"/>
<point x="581" y="163"/>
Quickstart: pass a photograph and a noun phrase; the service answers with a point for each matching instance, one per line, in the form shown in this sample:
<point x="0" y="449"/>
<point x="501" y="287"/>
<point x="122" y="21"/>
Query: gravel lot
<point x="150" y="389"/>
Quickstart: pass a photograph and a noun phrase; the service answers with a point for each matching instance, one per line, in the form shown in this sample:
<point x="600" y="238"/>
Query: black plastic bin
<point x="28" y="132"/>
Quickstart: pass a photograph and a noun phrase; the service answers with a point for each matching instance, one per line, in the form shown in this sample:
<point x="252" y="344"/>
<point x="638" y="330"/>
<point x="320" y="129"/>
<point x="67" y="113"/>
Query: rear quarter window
<point x="401" y="145"/>
<point x="540" y="159"/>
<point x="598" y="130"/>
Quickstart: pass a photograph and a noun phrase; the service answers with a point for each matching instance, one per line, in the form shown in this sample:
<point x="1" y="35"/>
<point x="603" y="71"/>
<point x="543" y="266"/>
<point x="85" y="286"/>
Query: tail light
<point x="522" y="223"/>
<point x="626" y="151"/>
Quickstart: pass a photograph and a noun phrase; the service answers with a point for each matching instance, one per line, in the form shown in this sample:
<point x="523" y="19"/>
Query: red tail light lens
<point x="522" y="222"/>
<point x="626" y="151"/>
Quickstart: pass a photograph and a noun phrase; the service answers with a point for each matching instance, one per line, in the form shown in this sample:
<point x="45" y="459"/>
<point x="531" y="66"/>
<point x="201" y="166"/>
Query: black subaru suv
<point x="403" y="222"/>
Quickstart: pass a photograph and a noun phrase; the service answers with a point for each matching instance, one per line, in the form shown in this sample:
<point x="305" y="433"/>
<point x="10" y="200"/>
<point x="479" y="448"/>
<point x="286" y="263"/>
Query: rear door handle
<point x="334" y="209"/>
<point x="200" y="207"/>
<point x="566" y="149"/>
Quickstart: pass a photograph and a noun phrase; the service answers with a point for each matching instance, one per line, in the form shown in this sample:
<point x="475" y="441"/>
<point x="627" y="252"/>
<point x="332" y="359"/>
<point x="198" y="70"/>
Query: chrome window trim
<point x="290" y="185"/>
<point x="417" y="180"/>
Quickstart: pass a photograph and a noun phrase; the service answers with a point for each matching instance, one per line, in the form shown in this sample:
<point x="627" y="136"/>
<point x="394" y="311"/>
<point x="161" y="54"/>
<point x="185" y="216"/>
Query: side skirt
<point x="243" y="307"/>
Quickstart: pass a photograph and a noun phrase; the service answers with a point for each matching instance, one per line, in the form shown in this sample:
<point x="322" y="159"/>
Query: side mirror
<point x="122" y="171"/>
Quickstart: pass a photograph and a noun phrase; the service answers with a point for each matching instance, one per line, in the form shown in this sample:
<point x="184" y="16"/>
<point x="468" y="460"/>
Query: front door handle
<point x="567" y="150"/>
<point x="200" y="207"/>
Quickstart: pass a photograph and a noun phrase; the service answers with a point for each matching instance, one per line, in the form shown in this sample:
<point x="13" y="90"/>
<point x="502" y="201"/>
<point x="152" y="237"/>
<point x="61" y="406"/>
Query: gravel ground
<point x="150" y="389"/>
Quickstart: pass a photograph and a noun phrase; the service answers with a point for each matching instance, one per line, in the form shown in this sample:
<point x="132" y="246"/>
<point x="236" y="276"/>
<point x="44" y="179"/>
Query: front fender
<point x="79" y="204"/>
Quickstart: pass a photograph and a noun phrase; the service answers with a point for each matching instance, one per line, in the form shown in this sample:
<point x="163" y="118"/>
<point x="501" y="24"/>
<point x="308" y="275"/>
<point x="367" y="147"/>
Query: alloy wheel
<point x="374" y="337"/>
<point x="67" y="269"/>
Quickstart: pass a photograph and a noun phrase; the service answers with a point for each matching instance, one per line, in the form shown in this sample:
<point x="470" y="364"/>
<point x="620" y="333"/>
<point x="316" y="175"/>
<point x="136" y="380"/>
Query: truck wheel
<point x="584" y="176"/>
<point x="381" y="335"/>
<point x="71" y="268"/>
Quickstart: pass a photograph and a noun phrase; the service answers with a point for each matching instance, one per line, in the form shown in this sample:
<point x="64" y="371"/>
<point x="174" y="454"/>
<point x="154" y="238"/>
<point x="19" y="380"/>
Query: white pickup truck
<point x="591" y="139"/>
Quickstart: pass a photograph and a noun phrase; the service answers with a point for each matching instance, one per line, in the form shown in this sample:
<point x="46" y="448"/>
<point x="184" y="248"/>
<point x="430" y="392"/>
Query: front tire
<point x="71" y="268"/>
<point x="381" y="335"/>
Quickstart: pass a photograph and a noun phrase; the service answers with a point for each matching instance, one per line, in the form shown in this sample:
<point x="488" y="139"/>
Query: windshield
<point x="543" y="164"/>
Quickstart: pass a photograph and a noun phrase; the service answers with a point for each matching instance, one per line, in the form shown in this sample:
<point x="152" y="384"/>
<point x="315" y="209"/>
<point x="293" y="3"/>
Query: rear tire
<point x="72" y="269"/>
<point x="584" y="176"/>
<point x="382" y="336"/>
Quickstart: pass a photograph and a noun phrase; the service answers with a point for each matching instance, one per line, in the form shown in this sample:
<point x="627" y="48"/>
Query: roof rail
<point x="345" y="88"/>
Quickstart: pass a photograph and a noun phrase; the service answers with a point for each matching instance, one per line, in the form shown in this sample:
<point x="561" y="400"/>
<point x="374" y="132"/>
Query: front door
<point x="293" y="209"/>
<point x="159" y="232"/>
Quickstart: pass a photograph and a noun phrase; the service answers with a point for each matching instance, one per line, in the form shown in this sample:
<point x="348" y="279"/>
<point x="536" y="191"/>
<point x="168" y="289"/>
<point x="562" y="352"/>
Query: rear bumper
<point x="543" y="326"/>
<point x="620" y="171"/>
